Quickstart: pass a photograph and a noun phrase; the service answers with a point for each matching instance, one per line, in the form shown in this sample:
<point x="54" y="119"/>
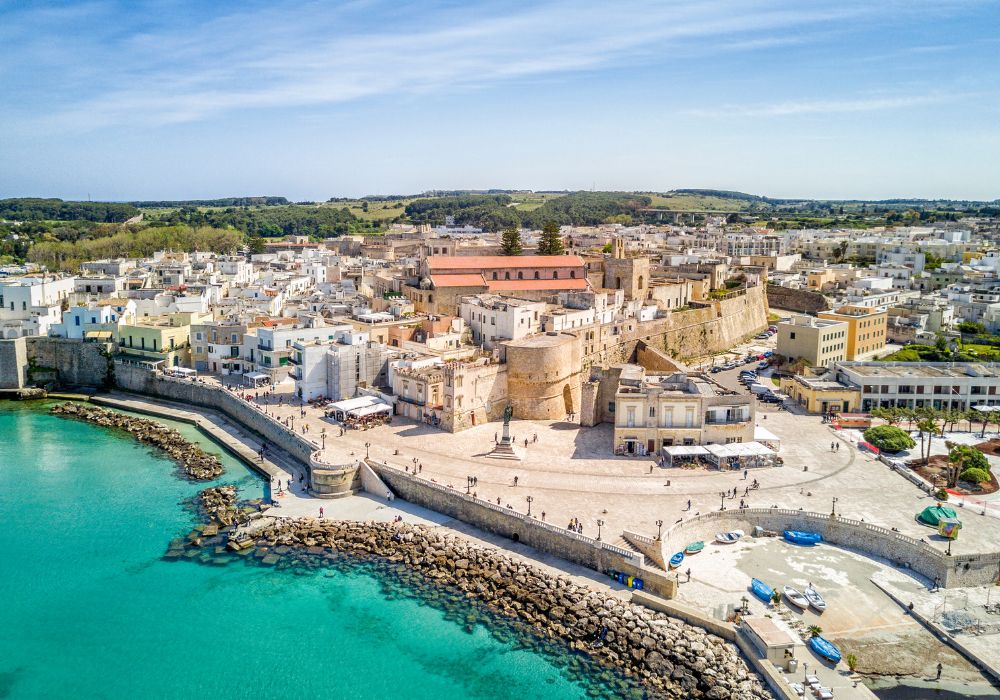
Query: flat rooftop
<point x="924" y="370"/>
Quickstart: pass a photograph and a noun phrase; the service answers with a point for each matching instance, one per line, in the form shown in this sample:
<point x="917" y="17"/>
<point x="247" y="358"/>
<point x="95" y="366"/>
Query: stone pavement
<point x="570" y="472"/>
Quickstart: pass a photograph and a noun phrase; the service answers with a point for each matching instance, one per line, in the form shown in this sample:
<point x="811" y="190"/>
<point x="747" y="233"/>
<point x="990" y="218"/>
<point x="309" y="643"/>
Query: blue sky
<point x="171" y="100"/>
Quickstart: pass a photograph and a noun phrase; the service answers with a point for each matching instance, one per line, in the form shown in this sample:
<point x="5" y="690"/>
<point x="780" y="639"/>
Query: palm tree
<point x="815" y="630"/>
<point x="776" y="598"/>
<point x="928" y="428"/>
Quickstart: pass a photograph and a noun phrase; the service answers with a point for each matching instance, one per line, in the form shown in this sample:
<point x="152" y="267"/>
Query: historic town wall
<point x="68" y="362"/>
<point x="328" y="480"/>
<point x="866" y="538"/>
<point x="543" y="376"/>
<point x="13" y="364"/>
<point x="801" y="300"/>
<point x="518" y="527"/>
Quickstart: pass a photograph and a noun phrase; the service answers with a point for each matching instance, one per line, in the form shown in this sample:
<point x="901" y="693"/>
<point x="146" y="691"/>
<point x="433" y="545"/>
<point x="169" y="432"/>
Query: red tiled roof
<point x="539" y="285"/>
<point x="463" y="280"/>
<point x="478" y="262"/>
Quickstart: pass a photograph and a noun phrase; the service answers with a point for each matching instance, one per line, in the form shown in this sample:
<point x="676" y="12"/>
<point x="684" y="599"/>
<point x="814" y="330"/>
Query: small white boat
<point x="729" y="537"/>
<point x="795" y="598"/>
<point x="815" y="599"/>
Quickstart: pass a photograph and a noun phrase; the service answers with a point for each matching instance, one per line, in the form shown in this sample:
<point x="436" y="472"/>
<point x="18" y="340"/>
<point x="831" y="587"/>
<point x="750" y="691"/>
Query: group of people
<point x="575" y="526"/>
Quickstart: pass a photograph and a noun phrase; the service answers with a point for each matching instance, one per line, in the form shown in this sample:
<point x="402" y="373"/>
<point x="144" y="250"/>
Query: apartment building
<point x="866" y="329"/>
<point x="818" y="341"/>
<point x="335" y="368"/>
<point x="941" y="385"/>
<point x="494" y="319"/>
<point x="655" y="411"/>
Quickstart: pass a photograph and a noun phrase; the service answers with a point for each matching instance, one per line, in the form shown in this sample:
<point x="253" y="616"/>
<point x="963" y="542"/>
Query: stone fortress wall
<point x="60" y="361"/>
<point x="543" y="376"/>
<point x="13" y="364"/>
<point x="873" y="540"/>
<point x="546" y="537"/>
<point x="326" y="480"/>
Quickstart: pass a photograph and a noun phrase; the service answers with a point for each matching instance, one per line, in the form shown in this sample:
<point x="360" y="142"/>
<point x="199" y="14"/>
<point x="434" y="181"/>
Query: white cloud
<point x="800" y="107"/>
<point x="285" y="57"/>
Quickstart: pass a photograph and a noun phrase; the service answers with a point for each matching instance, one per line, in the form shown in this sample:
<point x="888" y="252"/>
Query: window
<point x="611" y="406"/>
<point x="572" y="274"/>
<point x="791" y="336"/>
<point x="537" y="276"/>
<point x="506" y="275"/>
<point x="494" y="275"/>
<point x="77" y="319"/>
<point x="652" y="411"/>
<point x="555" y="274"/>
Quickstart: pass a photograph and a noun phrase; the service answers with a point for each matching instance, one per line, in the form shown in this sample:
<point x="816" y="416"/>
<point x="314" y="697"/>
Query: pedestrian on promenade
<point x="534" y="438"/>
<point x="939" y="667"/>
<point x="689" y="504"/>
<point x="746" y="472"/>
<point x="832" y="447"/>
<point x="543" y="516"/>
<point x="688" y="572"/>
<point x="495" y="441"/>
<point x="321" y="511"/>
<point x="515" y="481"/>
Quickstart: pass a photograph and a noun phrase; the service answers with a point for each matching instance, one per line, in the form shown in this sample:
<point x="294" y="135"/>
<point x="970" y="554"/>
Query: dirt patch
<point x="936" y="472"/>
<point x="990" y="447"/>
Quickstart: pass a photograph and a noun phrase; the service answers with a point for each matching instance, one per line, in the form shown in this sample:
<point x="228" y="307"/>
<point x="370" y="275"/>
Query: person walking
<point x="746" y="473"/>
<point x="939" y="667"/>
<point x="515" y="481"/>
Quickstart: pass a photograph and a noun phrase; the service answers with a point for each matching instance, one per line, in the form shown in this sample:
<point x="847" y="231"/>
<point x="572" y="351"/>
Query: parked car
<point x="764" y="365"/>
<point x="715" y="370"/>
<point x="769" y="353"/>
<point x="773" y="329"/>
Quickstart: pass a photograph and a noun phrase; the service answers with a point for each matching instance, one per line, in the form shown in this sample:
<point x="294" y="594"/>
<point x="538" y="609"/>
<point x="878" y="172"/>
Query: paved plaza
<point x="570" y="472"/>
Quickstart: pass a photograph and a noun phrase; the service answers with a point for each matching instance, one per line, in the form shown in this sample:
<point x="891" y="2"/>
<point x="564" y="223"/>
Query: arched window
<point x="520" y="275"/>
<point x="536" y="274"/>
<point x="572" y="274"/>
<point x="430" y="298"/>
<point x="640" y="281"/>
<point x="494" y="275"/>
<point x="555" y="274"/>
<point x="506" y="275"/>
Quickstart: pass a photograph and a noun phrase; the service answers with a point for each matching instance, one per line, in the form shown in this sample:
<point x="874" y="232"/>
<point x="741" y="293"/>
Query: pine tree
<point x="551" y="242"/>
<point x="510" y="240"/>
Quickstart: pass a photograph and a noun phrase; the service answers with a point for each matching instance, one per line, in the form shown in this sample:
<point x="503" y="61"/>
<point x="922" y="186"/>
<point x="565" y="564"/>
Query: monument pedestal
<point x="505" y="449"/>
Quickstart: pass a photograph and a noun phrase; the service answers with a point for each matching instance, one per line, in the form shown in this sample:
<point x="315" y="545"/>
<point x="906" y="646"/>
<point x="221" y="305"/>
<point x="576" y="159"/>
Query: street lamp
<point x="949" y="548"/>
<point x="833" y="512"/>
<point x="367" y="445"/>
<point x="659" y="529"/>
<point x="722" y="495"/>
<point x="323" y="437"/>
<point x="529" y="499"/>
<point x="600" y="524"/>
<point x="746" y="603"/>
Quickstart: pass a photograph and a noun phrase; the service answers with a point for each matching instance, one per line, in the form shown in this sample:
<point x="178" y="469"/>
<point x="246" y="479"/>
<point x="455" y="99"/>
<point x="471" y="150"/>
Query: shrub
<point x="975" y="476"/>
<point x="968" y="458"/>
<point x="941" y="495"/>
<point x="889" y="438"/>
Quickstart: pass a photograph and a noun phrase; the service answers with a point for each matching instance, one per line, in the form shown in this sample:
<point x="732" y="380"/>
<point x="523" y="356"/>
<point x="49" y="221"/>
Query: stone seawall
<point x="326" y="480"/>
<point x="13" y="364"/>
<point x="579" y="549"/>
<point x="669" y="658"/>
<point x="866" y="538"/>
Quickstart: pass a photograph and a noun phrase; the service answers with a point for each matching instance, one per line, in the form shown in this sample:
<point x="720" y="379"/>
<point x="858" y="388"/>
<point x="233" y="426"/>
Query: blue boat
<point x="825" y="648"/>
<point x="761" y="590"/>
<point x="676" y="560"/>
<point x="804" y="538"/>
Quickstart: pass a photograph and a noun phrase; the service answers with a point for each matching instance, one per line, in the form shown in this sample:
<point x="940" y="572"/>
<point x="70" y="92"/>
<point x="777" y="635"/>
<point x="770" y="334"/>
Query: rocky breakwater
<point x="670" y="658"/>
<point x="196" y="464"/>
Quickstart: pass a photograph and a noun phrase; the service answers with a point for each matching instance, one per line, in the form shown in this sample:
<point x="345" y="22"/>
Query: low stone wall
<point x="326" y="480"/>
<point x="571" y="546"/>
<point x="866" y="538"/>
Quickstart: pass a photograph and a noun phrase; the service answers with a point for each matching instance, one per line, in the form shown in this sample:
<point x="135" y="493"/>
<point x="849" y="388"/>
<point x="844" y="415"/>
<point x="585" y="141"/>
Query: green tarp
<point x="931" y="515"/>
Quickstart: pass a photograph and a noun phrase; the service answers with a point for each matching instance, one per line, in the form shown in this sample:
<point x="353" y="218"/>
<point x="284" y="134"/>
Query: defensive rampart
<point x="326" y="480"/>
<point x="948" y="571"/>
<point x="801" y="300"/>
<point x="499" y="520"/>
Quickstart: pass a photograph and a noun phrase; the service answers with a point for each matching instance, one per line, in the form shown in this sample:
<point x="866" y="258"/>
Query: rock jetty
<point x="196" y="464"/>
<point x="668" y="657"/>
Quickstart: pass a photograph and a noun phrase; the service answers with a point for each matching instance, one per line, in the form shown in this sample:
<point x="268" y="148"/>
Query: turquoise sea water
<point x="88" y="608"/>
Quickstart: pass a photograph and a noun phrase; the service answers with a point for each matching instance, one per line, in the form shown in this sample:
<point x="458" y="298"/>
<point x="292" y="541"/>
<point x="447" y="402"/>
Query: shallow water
<point x="91" y="608"/>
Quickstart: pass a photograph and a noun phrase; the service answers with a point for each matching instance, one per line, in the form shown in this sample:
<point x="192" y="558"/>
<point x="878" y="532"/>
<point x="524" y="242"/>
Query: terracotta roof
<point x="478" y="262"/>
<point x="541" y="285"/>
<point x="272" y="322"/>
<point x="465" y="280"/>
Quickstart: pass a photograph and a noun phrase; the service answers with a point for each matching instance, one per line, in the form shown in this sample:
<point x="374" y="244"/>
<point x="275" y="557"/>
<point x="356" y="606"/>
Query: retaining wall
<point x="545" y="537"/>
<point x="13" y="363"/>
<point x="326" y="480"/>
<point x="866" y="538"/>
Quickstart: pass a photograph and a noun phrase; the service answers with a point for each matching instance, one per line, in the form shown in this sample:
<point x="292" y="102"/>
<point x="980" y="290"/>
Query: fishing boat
<point x="694" y="547"/>
<point x="816" y="601"/>
<point x="729" y="537"/>
<point x="676" y="560"/>
<point x="825" y="648"/>
<point x="795" y="598"/>
<point x="761" y="590"/>
<point x="804" y="538"/>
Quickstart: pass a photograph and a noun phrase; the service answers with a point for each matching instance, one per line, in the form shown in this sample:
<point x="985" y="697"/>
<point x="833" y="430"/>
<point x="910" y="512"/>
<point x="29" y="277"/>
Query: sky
<point x="167" y="99"/>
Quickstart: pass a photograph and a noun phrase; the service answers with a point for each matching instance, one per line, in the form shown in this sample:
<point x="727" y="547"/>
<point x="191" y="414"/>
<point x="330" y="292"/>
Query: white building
<point x="31" y="305"/>
<point x="336" y="368"/>
<point x="494" y="319"/>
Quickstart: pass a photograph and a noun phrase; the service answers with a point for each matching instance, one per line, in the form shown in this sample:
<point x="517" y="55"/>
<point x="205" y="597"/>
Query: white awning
<point x="740" y="449"/>
<point x="369" y="410"/>
<point x="762" y="434"/>
<point x="685" y="450"/>
<point x="351" y="405"/>
<point x="254" y="376"/>
<point x="183" y="371"/>
<point x="983" y="408"/>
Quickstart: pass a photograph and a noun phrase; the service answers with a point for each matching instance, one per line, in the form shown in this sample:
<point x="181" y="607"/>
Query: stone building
<point x="544" y="375"/>
<point x="819" y="342"/>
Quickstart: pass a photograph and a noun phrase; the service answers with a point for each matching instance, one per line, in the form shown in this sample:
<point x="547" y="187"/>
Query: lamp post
<point x="659" y="529"/>
<point x="949" y="548"/>
<point x="746" y="603"/>
<point x="323" y="437"/>
<point x="367" y="445"/>
<point x="529" y="499"/>
<point x="722" y="495"/>
<point x="600" y="524"/>
<point x="833" y="512"/>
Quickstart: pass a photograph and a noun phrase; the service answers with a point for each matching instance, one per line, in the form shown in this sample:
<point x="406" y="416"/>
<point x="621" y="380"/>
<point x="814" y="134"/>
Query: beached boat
<point x="676" y="560"/>
<point x="761" y="590"/>
<point x="729" y="537"/>
<point x="795" y="597"/>
<point x="803" y="538"/>
<point x="816" y="601"/>
<point x="825" y="648"/>
<point x="694" y="547"/>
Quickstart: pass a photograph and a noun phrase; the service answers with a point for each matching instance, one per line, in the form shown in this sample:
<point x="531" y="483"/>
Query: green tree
<point x="255" y="244"/>
<point x="971" y="328"/>
<point x="889" y="438"/>
<point x="928" y="428"/>
<point x="510" y="241"/>
<point x="551" y="242"/>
